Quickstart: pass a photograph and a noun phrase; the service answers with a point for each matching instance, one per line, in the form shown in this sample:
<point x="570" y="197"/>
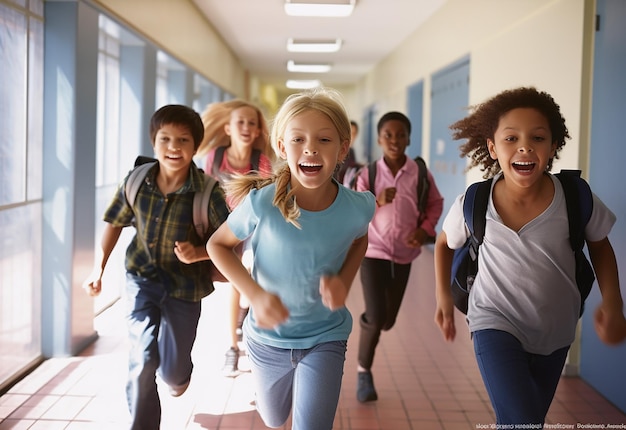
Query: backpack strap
<point x="255" y="159"/>
<point x="371" y="172"/>
<point x="201" y="201"/>
<point x="475" y="212"/>
<point x="217" y="161"/>
<point x="423" y="185"/>
<point x="579" y="203"/>
<point x="134" y="181"/>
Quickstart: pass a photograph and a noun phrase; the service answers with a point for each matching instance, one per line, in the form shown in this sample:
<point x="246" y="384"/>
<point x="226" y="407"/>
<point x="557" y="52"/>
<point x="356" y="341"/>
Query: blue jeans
<point x="161" y="331"/>
<point x="310" y="379"/>
<point x="521" y="385"/>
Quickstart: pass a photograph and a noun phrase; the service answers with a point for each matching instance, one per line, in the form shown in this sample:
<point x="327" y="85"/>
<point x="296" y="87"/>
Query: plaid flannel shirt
<point x="160" y="221"/>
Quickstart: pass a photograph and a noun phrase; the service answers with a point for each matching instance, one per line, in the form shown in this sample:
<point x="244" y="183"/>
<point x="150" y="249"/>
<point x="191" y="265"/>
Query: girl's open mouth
<point x="310" y="167"/>
<point x="524" y="166"/>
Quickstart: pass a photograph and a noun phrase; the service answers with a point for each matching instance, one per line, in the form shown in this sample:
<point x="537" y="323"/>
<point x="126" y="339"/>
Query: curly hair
<point x="483" y="122"/>
<point x="324" y="100"/>
<point x="217" y="115"/>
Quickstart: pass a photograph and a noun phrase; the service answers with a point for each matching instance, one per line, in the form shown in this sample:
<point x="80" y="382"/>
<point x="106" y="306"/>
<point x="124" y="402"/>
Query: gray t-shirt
<point x="526" y="282"/>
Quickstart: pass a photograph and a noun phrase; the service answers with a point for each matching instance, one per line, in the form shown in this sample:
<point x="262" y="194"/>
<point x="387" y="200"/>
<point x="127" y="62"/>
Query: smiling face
<point x="243" y="127"/>
<point x="174" y="147"/>
<point x="312" y="147"/>
<point x="523" y="145"/>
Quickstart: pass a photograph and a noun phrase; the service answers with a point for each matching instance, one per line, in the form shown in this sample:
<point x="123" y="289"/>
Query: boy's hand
<point x="610" y="324"/>
<point x="333" y="291"/>
<point x="185" y="252"/>
<point x="386" y="196"/>
<point x="93" y="285"/>
<point x="269" y="310"/>
<point x="416" y="238"/>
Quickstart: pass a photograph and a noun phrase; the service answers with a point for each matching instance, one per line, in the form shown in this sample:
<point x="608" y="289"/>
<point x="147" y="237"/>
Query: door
<point x="603" y="366"/>
<point x="450" y="97"/>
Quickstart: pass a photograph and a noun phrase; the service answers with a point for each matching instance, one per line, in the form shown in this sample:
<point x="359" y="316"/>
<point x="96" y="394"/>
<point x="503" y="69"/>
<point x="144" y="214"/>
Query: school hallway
<point x="422" y="381"/>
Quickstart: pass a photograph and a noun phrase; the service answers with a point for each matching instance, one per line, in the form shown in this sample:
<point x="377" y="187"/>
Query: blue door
<point x="415" y="103"/>
<point x="603" y="366"/>
<point x="449" y="100"/>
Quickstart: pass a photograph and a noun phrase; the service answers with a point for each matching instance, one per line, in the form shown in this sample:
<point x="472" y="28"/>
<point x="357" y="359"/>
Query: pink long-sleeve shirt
<point x="395" y="221"/>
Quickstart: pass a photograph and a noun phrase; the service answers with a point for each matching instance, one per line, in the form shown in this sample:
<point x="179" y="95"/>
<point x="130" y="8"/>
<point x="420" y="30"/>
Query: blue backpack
<point x="579" y="203"/>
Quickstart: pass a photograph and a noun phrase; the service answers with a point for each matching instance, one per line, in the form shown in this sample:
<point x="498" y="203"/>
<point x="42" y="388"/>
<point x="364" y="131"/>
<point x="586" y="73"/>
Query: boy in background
<point x="395" y="238"/>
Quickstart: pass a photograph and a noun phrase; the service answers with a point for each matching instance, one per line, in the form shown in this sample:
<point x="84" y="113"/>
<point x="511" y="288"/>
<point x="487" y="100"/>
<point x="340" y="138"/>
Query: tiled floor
<point x="422" y="381"/>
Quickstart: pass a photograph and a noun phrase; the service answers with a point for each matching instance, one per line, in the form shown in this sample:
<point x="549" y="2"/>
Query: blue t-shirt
<point x="289" y="262"/>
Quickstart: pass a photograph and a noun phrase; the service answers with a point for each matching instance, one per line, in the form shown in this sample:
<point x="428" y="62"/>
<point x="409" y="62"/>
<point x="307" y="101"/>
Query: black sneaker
<point x="230" y="363"/>
<point x="365" y="391"/>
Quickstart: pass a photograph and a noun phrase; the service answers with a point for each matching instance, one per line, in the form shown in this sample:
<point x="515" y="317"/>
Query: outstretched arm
<point x="269" y="311"/>
<point x="609" y="320"/>
<point x="444" y="311"/>
<point x="110" y="236"/>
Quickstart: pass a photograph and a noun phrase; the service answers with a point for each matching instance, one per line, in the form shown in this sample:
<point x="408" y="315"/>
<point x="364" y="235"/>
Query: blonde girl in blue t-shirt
<point x="308" y="236"/>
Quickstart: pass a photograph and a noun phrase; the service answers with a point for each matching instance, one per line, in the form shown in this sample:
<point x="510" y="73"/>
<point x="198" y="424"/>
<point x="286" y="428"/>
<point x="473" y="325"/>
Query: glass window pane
<point x="36" y="7"/>
<point x="20" y="288"/>
<point x="35" y="110"/>
<point x="13" y="49"/>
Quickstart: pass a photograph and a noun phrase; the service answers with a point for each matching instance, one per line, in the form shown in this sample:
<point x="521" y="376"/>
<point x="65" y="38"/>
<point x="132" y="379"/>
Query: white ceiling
<point x="257" y="32"/>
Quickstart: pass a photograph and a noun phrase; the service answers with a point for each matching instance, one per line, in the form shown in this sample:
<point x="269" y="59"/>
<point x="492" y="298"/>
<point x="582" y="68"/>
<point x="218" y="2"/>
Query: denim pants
<point x="384" y="284"/>
<point x="308" y="379"/>
<point x="161" y="331"/>
<point x="521" y="385"/>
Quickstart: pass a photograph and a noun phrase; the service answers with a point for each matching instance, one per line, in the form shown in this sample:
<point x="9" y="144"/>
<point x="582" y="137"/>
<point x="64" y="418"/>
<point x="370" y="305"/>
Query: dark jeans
<point x="384" y="284"/>
<point x="161" y="331"/>
<point x="521" y="385"/>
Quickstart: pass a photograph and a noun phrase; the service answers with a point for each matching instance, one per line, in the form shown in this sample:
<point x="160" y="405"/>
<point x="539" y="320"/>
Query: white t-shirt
<point x="526" y="283"/>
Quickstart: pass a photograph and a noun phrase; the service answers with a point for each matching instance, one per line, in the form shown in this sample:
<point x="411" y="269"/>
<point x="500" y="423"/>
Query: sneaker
<point x="178" y="390"/>
<point x="230" y="363"/>
<point x="365" y="391"/>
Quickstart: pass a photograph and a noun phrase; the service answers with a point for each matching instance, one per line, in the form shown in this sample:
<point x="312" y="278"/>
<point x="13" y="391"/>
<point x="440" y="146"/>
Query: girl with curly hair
<point x="524" y="304"/>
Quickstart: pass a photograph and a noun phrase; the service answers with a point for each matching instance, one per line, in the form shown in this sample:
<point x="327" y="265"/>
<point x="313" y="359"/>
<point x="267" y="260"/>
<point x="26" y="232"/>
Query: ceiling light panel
<point x="334" y="8"/>
<point x="307" y="68"/>
<point x="304" y="84"/>
<point x="303" y="45"/>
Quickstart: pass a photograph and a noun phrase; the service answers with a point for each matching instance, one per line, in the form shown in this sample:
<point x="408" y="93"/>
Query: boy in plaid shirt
<point x="166" y="262"/>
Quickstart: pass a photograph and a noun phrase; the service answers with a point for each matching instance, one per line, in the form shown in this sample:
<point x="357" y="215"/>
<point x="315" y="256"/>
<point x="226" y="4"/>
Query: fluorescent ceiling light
<point x="335" y="8"/>
<point x="302" y="84"/>
<point x="295" y="45"/>
<point x="307" y="68"/>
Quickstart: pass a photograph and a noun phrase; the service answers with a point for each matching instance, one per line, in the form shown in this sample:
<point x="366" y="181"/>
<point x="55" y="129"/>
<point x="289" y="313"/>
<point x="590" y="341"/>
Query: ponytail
<point x="238" y="186"/>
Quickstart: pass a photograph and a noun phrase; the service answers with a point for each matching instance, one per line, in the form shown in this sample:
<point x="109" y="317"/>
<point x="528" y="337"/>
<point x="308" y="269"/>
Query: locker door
<point x="415" y="112"/>
<point x="450" y="97"/>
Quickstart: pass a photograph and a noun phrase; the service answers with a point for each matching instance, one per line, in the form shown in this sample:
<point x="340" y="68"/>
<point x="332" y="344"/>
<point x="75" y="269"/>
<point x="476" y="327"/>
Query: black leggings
<point x="384" y="283"/>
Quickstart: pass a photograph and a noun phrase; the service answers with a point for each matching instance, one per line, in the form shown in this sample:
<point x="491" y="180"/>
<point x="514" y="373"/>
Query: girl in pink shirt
<point x="236" y="139"/>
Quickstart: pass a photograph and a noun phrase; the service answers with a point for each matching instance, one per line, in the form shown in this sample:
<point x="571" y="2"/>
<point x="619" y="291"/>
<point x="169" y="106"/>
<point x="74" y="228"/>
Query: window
<point x="21" y="119"/>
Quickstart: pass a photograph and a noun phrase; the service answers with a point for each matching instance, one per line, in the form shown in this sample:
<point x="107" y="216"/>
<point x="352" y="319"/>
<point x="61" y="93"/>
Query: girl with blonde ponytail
<point x="235" y="142"/>
<point x="308" y="235"/>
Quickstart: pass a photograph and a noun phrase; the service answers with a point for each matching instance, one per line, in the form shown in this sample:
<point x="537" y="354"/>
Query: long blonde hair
<point x="324" y="100"/>
<point x="217" y="115"/>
